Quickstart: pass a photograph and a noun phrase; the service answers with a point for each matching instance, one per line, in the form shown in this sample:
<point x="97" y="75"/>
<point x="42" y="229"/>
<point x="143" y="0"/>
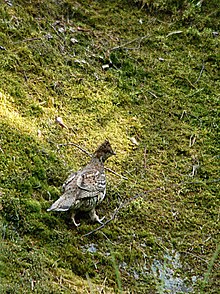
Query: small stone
<point x="74" y="40"/>
<point x="39" y="133"/>
<point x="134" y="141"/>
<point x="105" y="66"/>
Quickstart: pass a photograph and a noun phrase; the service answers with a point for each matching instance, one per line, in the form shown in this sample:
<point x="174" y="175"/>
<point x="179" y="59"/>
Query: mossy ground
<point x="137" y="70"/>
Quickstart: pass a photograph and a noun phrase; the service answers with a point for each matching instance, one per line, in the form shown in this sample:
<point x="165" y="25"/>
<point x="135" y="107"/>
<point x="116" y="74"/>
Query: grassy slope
<point x="152" y="91"/>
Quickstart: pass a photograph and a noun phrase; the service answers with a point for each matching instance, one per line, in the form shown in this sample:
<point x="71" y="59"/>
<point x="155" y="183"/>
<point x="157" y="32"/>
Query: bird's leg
<point x="94" y="217"/>
<point x="73" y="219"/>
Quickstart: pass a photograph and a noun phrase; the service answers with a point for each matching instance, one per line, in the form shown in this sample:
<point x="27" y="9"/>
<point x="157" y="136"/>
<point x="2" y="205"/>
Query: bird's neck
<point x="97" y="160"/>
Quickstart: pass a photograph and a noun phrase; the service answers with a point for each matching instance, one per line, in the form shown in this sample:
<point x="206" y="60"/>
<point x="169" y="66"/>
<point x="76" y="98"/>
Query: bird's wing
<point x="90" y="183"/>
<point x="70" y="180"/>
<point x="64" y="202"/>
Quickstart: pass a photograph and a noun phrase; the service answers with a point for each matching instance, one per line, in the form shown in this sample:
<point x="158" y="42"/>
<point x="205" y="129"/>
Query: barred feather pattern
<point x="86" y="188"/>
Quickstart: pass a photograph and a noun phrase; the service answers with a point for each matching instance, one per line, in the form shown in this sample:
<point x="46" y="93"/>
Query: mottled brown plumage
<point x="86" y="188"/>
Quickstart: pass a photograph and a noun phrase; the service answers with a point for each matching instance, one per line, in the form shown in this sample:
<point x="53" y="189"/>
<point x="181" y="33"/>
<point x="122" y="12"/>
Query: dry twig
<point x="113" y="172"/>
<point x="77" y="146"/>
<point x="154" y="95"/>
<point x="144" y="193"/>
<point x="90" y="155"/>
<point x="201" y="71"/>
<point x="28" y="40"/>
<point x="192" y="140"/>
<point x="145" y="158"/>
<point x="122" y="205"/>
<point x="184" y="113"/>
<point x="129" y="42"/>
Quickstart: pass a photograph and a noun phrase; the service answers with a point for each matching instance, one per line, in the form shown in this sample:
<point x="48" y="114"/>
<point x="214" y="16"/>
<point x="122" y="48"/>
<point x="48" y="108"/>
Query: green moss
<point x="161" y="89"/>
<point x="32" y="206"/>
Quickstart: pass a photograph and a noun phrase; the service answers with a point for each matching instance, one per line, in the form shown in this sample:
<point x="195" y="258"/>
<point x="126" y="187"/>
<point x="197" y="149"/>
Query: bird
<point x="85" y="189"/>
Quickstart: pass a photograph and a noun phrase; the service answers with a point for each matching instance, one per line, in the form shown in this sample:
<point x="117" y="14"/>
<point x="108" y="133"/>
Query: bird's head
<point x="104" y="151"/>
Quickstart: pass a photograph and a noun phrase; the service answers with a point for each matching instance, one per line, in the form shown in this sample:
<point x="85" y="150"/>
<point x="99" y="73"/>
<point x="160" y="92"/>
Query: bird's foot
<point x="100" y="220"/>
<point x="94" y="217"/>
<point x="75" y="223"/>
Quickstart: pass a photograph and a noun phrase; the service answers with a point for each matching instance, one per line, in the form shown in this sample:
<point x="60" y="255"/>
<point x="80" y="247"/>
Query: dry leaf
<point x="59" y="120"/>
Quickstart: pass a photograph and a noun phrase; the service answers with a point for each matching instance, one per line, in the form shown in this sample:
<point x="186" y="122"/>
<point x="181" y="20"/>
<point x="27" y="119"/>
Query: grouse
<point x="86" y="188"/>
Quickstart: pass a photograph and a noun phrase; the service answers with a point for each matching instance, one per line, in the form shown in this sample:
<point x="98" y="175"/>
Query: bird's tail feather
<point x="57" y="208"/>
<point x="62" y="204"/>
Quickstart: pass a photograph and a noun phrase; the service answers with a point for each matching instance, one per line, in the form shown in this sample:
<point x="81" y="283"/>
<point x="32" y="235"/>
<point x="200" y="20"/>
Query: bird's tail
<point x="62" y="204"/>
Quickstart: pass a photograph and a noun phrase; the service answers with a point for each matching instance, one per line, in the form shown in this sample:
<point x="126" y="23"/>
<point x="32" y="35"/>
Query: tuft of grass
<point x="211" y="264"/>
<point x="117" y="273"/>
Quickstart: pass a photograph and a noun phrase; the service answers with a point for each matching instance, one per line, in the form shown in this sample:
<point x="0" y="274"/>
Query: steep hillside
<point x="145" y="75"/>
